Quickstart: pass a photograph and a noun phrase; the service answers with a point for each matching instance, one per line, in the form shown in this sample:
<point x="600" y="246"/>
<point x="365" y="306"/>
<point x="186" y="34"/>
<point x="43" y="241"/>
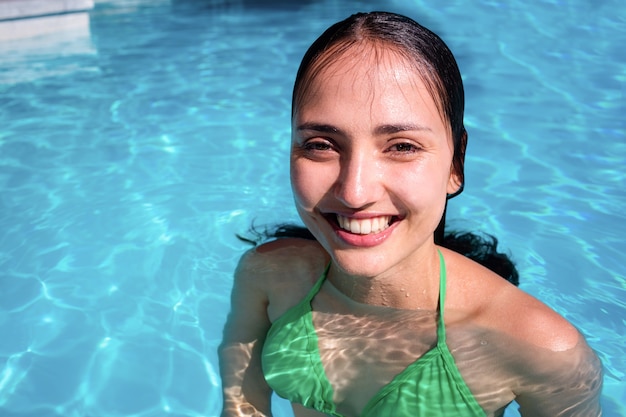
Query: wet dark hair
<point x="433" y="60"/>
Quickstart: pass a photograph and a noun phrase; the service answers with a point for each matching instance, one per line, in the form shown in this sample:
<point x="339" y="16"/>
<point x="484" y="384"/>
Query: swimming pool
<point x="135" y="143"/>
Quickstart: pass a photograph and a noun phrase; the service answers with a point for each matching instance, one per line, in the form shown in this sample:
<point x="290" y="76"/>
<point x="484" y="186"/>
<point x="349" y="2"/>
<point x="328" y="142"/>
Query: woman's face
<point x="371" y="162"/>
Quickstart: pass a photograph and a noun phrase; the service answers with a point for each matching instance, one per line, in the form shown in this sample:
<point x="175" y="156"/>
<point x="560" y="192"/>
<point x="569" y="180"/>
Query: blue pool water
<point x="136" y="142"/>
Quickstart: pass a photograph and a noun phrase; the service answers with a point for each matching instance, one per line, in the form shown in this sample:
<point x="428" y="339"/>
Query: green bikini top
<point x="429" y="387"/>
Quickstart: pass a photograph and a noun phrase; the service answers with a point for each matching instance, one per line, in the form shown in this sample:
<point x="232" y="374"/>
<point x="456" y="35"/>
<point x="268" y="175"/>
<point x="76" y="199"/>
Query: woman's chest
<point x="363" y="355"/>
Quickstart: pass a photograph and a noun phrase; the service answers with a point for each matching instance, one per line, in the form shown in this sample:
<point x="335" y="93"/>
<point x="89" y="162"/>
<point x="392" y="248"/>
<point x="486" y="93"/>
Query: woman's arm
<point x="245" y="392"/>
<point x="562" y="384"/>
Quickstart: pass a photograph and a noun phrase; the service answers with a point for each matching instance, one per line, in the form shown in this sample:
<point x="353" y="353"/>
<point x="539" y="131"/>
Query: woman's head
<point x="373" y="150"/>
<point x="427" y="53"/>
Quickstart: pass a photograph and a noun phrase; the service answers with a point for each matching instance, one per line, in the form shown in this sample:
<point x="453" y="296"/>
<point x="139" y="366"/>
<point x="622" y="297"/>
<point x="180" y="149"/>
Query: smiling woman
<point x="369" y="164"/>
<point x="375" y="315"/>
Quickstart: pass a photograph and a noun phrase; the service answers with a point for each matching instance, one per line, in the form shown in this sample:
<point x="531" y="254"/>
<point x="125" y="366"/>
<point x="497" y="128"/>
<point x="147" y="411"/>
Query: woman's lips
<point x="365" y="226"/>
<point x="363" y="231"/>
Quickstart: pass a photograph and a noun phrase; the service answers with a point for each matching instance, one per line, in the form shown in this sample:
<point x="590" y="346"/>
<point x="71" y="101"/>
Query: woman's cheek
<point x="303" y="185"/>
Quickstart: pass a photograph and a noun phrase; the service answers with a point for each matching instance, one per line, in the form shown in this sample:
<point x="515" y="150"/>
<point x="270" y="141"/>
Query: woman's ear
<point x="456" y="181"/>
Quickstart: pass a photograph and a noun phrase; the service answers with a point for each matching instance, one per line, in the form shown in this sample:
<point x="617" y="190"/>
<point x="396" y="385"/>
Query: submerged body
<point x="293" y="366"/>
<point x="505" y="344"/>
<point x="377" y="148"/>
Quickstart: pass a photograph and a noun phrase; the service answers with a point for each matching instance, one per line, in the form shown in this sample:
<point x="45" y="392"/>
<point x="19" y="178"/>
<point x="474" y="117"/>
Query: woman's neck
<point x="412" y="284"/>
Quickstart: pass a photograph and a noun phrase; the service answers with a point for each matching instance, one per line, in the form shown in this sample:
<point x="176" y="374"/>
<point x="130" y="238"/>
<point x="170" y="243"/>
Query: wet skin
<point x="505" y="343"/>
<point x="371" y="165"/>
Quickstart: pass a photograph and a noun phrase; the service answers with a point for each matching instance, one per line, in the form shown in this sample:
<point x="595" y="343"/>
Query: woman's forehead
<point x="364" y="60"/>
<point x="363" y="56"/>
<point x="371" y="66"/>
<point x="363" y="70"/>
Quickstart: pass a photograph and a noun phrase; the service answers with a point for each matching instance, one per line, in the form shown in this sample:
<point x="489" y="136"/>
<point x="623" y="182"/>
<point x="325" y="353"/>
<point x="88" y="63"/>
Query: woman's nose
<point x="359" y="181"/>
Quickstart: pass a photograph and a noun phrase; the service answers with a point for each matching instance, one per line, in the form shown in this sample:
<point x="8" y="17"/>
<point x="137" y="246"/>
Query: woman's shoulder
<point x="284" y="269"/>
<point x="528" y="319"/>
<point x="285" y="255"/>
<point x="500" y="306"/>
<point x="533" y="346"/>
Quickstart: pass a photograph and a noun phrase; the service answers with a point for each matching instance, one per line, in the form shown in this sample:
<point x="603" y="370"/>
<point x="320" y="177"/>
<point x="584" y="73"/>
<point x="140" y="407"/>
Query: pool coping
<point x="21" y="9"/>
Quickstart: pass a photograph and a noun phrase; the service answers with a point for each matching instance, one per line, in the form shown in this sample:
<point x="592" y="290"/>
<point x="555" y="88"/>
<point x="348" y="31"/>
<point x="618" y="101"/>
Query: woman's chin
<point x="360" y="263"/>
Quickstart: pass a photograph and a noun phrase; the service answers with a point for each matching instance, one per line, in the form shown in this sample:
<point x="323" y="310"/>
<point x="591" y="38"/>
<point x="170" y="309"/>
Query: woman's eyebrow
<point x="396" y="128"/>
<point x="385" y="129"/>
<point x="319" y="127"/>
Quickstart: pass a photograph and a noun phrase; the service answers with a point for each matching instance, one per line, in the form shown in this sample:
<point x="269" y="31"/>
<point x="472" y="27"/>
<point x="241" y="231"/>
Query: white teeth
<point x="364" y="226"/>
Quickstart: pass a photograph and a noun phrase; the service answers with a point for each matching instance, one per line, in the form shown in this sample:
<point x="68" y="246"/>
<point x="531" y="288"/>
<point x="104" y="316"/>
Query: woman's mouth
<point x="362" y="231"/>
<point x="367" y="226"/>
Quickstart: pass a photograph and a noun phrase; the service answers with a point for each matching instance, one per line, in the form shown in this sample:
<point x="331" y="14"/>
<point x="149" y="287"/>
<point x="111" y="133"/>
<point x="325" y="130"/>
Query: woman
<point x="374" y="317"/>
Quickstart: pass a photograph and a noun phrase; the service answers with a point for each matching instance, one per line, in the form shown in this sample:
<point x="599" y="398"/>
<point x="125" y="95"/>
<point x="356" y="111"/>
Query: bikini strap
<point x="318" y="285"/>
<point x="441" y="327"/>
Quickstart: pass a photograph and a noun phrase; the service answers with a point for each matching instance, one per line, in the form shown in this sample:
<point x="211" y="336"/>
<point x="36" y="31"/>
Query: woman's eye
<point x="317" y="146"/>
<point x="404" y="148"/>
